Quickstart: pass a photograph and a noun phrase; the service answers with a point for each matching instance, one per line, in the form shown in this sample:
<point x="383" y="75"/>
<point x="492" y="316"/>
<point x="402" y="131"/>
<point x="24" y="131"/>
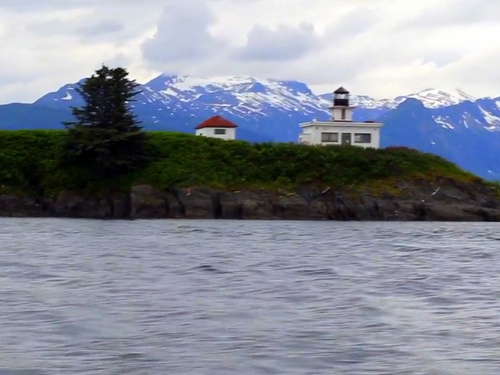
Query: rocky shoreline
<point x="445" y="200"/>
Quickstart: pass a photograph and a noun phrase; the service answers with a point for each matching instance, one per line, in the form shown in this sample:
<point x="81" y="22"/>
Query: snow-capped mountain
<point x="460" y="133"/>
<point x="452" y="124"/>
<point x="430" y="98"/>
<point x="237" y="95"/>
<point x="244" y="97"/>
<point x="264" y="109"/>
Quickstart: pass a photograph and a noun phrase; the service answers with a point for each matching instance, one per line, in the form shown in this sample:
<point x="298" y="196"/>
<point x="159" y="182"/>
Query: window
<point x="346" y="138"/>
<point x="343" y="113"/>
<point x="362" y="138"/>
<point x="330" y="137"/>
<point x="220" y="131"/>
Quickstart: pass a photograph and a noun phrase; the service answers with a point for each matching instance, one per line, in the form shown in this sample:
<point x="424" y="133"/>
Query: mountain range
<point x="455" y="125"/>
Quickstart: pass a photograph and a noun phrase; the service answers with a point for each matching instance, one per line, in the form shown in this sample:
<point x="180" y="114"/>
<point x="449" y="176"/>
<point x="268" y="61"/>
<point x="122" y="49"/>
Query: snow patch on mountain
<point x="444" y="122"/>
<point x="469" y="121"/>
<point x="430" y="98"/>
<point x="434" y="98"/>
<point x="239" y="95"/>
<point x="173" y="85"/>
<point x="493" y="121"/>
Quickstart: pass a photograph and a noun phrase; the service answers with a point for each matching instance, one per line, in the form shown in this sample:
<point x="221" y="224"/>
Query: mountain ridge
<point x="454" y="124"/>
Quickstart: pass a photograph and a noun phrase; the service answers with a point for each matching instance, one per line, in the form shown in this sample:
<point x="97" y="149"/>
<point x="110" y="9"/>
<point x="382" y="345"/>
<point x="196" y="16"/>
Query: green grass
<point x="29" y="162"/>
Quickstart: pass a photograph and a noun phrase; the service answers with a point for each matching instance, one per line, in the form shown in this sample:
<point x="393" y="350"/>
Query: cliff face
<point x="446" y="200"/>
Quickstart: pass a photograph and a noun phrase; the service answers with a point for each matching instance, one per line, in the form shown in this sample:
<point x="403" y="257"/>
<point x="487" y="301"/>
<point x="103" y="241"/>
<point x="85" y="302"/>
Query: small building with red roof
<point x="217" y="127"/>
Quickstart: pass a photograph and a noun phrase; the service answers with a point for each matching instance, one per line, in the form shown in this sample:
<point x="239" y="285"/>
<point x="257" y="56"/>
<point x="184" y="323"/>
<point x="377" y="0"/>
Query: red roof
<point x="216" y="122"/>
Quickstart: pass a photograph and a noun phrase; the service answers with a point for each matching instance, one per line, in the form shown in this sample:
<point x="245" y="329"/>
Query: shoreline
<point x="147" y="202"/>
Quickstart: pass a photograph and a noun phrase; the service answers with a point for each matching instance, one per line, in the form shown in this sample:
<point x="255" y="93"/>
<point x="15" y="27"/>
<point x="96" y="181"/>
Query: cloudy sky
<point x="381" y="48"/>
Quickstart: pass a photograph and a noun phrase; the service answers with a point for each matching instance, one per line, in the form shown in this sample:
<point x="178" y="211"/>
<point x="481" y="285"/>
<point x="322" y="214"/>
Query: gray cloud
<point x="471" y="74"/>
<point x="83" y="28"/>
<point x="101" y="27"/>
<point x="182" y="33"/>
<point x="456" y="12"/>
<point x="441" y="57"/>
<point x="36" y="5"/>
<point x="284" y="43"/>
<point x="355" y="22"/>
<point x="119" y="60"/>
<point x="379" y="47"/>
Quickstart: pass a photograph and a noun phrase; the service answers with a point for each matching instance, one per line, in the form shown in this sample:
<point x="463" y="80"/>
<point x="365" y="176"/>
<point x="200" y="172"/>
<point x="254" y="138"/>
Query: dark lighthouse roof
<point x="341" y="90"/>
<point x="341" y="97"/>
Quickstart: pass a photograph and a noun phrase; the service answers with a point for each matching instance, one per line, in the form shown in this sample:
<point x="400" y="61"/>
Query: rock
<point x="72" y="204"/>
<point x="453" y="201"/>
<point x="257" y="205"/>
<point x="21" y="206"/>
<point x="195" y="203"/>
<point x="147" y="202"/>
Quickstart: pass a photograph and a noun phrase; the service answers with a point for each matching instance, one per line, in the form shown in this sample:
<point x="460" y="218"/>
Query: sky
<point x="381" y="48"/>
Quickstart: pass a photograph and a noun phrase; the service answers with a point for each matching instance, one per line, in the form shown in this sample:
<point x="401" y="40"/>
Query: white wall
<point x="337" y="114"/>
<point x="305" y="138"/>
<point x="312" y="132"/>
<point x="230" y="133"/>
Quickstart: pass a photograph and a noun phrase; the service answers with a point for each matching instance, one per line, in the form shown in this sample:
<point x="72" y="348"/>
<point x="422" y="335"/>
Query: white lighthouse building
<point x="341" y="130"/>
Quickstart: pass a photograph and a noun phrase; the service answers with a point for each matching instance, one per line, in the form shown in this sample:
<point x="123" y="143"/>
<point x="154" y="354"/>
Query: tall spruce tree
<point x="106" y="136"/>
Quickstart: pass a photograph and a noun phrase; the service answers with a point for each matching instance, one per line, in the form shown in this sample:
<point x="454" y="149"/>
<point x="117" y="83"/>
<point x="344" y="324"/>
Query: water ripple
<point x="241" y="297"/>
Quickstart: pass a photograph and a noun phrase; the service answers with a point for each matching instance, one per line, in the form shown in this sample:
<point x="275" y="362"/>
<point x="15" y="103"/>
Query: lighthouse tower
<point x="341" y="129"/>
<point x="341" y="110"/>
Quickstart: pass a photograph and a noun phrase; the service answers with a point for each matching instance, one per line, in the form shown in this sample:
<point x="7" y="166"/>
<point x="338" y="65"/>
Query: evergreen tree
<point x="106" y="136"/>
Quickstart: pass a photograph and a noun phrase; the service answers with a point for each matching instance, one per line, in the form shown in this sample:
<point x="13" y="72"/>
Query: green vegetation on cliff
<point x="30" y="163"/>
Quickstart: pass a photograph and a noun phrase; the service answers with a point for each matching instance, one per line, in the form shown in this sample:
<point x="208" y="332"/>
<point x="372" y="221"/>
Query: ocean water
<point x="248" y="297"/>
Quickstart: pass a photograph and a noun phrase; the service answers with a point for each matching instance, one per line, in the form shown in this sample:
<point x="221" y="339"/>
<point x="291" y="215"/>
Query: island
<point x="194" y="177"/>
